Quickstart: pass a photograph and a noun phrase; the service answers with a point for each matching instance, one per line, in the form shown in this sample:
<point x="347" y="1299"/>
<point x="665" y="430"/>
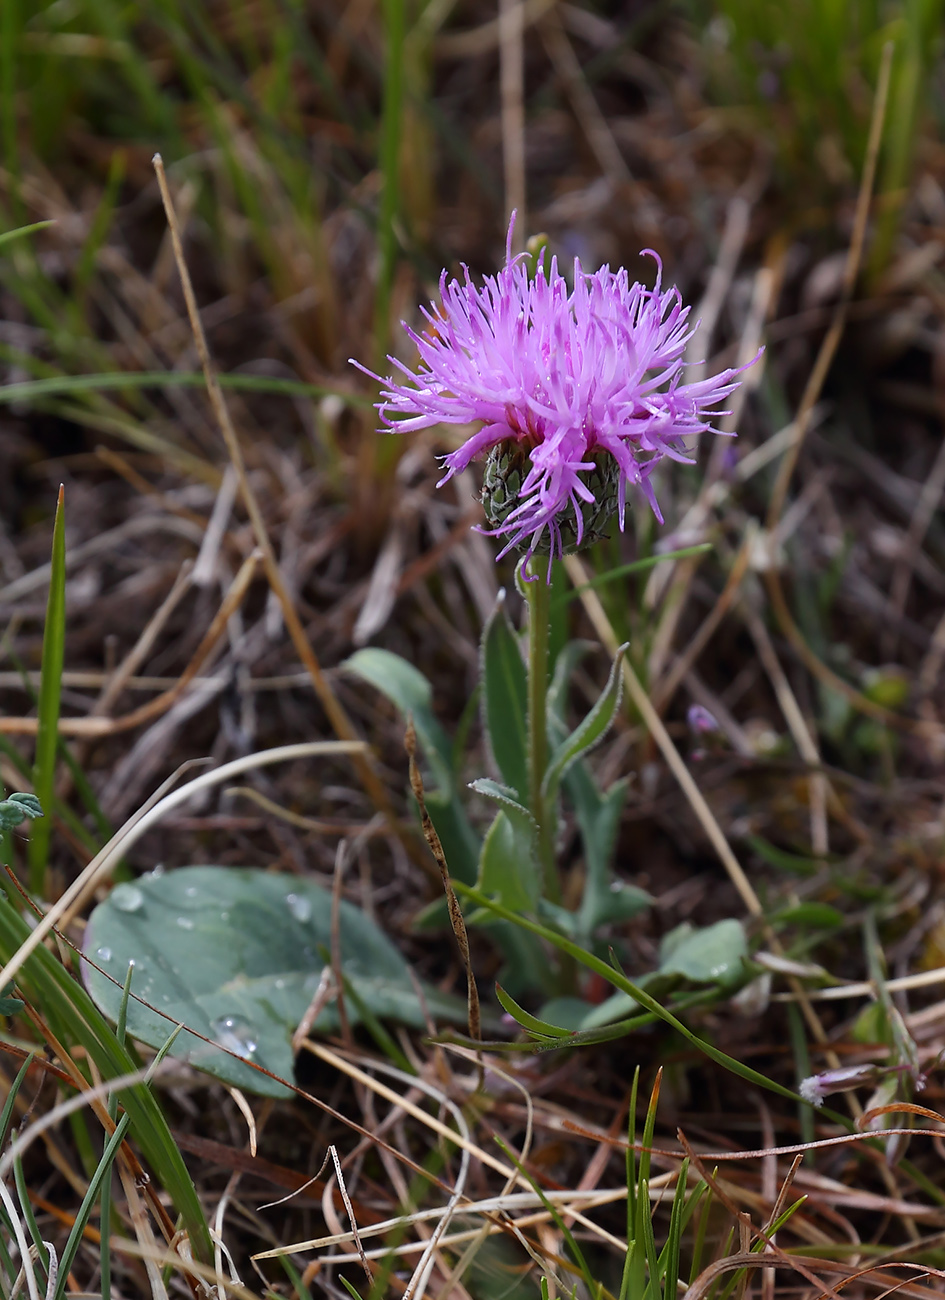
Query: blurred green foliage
<point x="804" y="72"/>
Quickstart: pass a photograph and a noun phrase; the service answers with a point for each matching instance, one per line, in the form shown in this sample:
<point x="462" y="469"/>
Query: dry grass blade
<point x="512" y="74"/>
<point x="340" y="722"/>
<point x="595" y="612"/>
<point x="452" y="902"/>
<point x="99" y="726"/>
<point x="851" y="269"/>
<point x="340" y="1179"/>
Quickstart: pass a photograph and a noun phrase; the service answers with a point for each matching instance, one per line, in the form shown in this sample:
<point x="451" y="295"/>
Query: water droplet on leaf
<point x="127" y="898"/>
<point x="300" y="907"/>
<point x="236" y="1035"/>
<point x="185" y="922"/>
<point x="103" y="954"/>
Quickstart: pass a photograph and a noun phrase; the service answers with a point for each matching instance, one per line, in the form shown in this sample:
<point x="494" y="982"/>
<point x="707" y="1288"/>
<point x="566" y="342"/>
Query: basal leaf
<point x="710" y="955"/>
<point x="410" y="692"/>
<point x="236" y="955"/>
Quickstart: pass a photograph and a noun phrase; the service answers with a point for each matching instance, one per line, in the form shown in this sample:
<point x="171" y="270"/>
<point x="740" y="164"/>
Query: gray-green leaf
<point x="237" y="955"/>
<point x="711" y="955"/>
<point x="18" y="808"/>
<point x="409" y="691"/>
<point x="507" y="868"/>
<point x="594" y="727"/>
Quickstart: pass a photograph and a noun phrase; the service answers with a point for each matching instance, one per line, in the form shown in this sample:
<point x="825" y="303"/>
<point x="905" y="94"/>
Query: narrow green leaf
<point x="29" y="390"/>
<point x="540" y="1028"/>
<point x="47" y="738"/>
<point x="793" y="863"/>
<point x="6" y="1114"/>
<point x="26" y="1210"/>
<point x="638" y="566"/>
<point x="594" y="727"/>
<point x="88" y="1202"/>
<point x="817" y="916"/>
<point x="500" y="794"/>
<point x="9" y="235"/>
<point x="505" y="699"/>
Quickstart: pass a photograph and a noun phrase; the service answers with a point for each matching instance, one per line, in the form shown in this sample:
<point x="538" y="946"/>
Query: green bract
<point x="506" y="469"/>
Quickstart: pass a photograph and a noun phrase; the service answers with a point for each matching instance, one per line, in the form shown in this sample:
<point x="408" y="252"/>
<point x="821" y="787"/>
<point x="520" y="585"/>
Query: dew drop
<point x="236" y="1035"/>
<point x="280" y="983"/>
<point x="103" y="954"/>
<point x="127" y="898"/>
<point x="190" y="891"/>
<point x="185" y="922"/>
<point x="300" y="907"/>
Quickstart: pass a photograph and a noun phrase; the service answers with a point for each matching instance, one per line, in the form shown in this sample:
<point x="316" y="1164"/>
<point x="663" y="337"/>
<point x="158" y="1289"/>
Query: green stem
<point x="537" y="596"/>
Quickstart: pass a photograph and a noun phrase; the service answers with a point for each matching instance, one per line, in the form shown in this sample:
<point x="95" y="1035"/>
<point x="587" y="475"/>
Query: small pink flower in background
<point x="577" y="394"/>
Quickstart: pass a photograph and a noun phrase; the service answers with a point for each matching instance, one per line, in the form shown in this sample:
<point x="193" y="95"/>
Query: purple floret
<point x="567" y="377"/>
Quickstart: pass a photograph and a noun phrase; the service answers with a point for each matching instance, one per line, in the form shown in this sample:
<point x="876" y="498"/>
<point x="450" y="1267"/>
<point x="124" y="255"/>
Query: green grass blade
<point x="9" y="235"/>
<point x="29" y="1217"/>
<point x="623" y="570"/>
<point x="669" y="1256"/>
<point x="6" y="1115"/>
<point x="74" y="1017"/>
<point x="389" y="160"/>
<point x="9" y="22"/>
<point x="57" y="385"/>
<point x="88" y="1201"/>
<point x="50" y="688"/>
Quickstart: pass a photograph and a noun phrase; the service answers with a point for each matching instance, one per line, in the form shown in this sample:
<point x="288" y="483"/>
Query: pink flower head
<point x="581" y="391"/>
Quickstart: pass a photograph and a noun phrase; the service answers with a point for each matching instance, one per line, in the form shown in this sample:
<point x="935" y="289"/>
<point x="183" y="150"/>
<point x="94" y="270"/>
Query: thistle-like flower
<point x="577" y="395"/>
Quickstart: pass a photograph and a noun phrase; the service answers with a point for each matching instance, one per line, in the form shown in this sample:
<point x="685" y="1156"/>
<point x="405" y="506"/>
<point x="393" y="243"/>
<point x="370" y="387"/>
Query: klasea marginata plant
<point x="575" y="395"/>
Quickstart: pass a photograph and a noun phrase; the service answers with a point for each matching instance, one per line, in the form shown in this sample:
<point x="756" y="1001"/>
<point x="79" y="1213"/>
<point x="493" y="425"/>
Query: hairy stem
<point x="537" y="596"/>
